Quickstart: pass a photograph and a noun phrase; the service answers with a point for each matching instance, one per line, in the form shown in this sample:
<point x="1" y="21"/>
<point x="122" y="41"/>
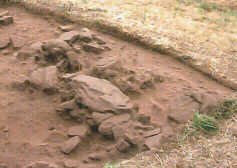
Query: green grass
<point x="111" y="165"/>
<point x="211" y="6"/>
<point x="207" y="6"/>
<point x="232" y="13"/>
<point x="205" y="123"/>
<point x="209" y="124"/>
<point x="85" y="1"/>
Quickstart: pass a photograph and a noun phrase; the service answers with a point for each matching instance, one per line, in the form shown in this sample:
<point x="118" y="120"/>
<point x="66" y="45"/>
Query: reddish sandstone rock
<point x="6" y="20"/>
<point x="4" y="42"/>
<point x="66" y="28"/>
<point x="70" y="145"/>
<point x="98" y="156"/>
<point x="81" y="130"/>
<point x="106" y="127"/>
<point x="70" y="164"/>
<point x="153" y="142"/>
<point x="17" y="42"/>
<point x="45" y="78"/>
<point x="122" y="146"/>
<point x="85" y="35"/>
<point x="100" y="95"/>
<point x="93" y="47"/>
<point x="5" y="13"/>
<point x="98" y="118"/>
<point x="55" y="50"/>
<point x="70" y="36"/>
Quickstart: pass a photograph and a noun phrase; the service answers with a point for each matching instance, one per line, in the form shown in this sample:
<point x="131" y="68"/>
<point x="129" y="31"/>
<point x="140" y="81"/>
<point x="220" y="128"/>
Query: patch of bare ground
<point x="73" y="97"/>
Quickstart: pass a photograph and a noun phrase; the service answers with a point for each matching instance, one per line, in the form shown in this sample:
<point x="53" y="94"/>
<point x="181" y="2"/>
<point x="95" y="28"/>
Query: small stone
<point x="138" y="125"/>
<point x="85" y="35"/>
<point x="55" y="50"/>
<point x="55" y="137"/>
<point x="85" y="161"/>
<point x="41" y="164"/>
<point x="98" y="156"/>
<point x="73" y="63"/>
<point x="70" y="145"/>
<point x="122" y="146"/>
<point x="20" y="82"/>
<point x="4" y="42"/>
<point x="37" y="47"/>
<point x="118" y="131"/>
<point x="133" y="139"/>
<point x="66" y="28"/>
<point x="70" y="64"/>
<point x="6" y="20"/>
<point x="2" y="165"/>
<point x="98" y="39"/>
<point x="5" y="13"/>
<point x="68" y="105"/>
<point x="99" y="117"/>
<point x="70" y="164"/>
<point x="153" y="142"/>
<point x="143" y="118"/>
<point x="91" y="123"/>
<point x="81" y="130"/>
<point x="152" y="133"/>
<point x="70" y="36"/>
<point x="17" y="42"/>
<point x="93" y="47"/>
<point x="111" y="148"/>
<point x="34" y="50"/>
<point x="6" y="129"/>
<point x="50" y="45"/>
<point x="66" y="95"/>
<point x="106" y="48"/>
<point x="23" y="55"/>
<point x="140" y="132"/>
<point x="68" y="76"/>
<point x="77" y="49"/>
<point x="98" y="147"/>
<point x="57" y="33"/>
<point x="78" y="114"/>
<point x="107" y="67"/>
<point x="51" y="128"/>
<point x="106" y="127"/>
<point x="6" y="52"/>
<point x="45" y="78"/>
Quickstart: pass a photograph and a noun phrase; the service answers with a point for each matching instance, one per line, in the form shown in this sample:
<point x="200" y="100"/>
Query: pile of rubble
<point x="91" y="98"/>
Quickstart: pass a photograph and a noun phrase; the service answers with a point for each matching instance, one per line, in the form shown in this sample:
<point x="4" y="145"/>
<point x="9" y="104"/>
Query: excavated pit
<point x="71" y="96"/>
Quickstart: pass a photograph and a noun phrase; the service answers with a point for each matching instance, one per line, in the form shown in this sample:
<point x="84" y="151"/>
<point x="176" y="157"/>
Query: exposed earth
<point x="72" y="97"/>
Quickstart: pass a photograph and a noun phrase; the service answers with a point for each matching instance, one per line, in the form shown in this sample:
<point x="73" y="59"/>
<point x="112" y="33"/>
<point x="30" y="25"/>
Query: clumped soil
<point x="36" y="114"/>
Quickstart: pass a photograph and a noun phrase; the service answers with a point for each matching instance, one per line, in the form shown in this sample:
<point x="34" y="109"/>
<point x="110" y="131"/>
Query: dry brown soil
<point x="30" y="128"/>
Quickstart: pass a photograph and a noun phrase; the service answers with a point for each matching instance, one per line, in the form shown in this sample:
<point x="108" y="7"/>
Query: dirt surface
<point x="147" y="98"/>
